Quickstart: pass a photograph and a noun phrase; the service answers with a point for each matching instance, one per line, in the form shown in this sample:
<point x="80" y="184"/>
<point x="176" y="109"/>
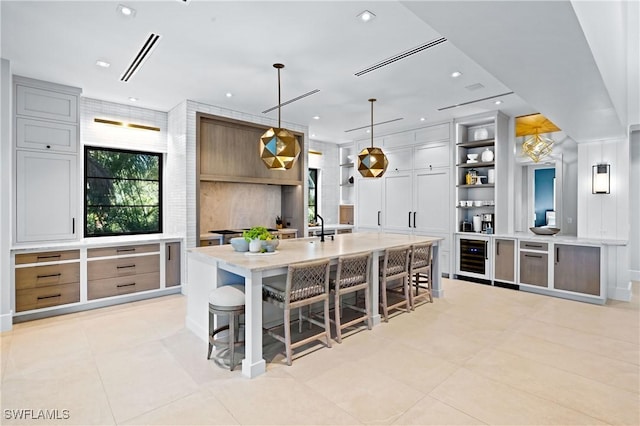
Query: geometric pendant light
<point x="371" y="161"/>
<point x="279" y="148"/>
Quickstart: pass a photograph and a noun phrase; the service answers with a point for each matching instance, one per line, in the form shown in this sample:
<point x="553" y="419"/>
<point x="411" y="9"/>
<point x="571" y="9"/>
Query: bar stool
<point x="352" y="275"/>
<point x="420" y="273"/>
<point x="394" y="267"/>
<point x="226" y="300"/>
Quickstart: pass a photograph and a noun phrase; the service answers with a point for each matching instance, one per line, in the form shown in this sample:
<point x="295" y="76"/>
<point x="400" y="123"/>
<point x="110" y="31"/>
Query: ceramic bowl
<point x="477" y="203"/>
<point x="270" y="245"/>
<point x="544" y="230"/>
<point x="469" y="203"/>
<point x="472" y="158"/>
<point x="239" y="244"/>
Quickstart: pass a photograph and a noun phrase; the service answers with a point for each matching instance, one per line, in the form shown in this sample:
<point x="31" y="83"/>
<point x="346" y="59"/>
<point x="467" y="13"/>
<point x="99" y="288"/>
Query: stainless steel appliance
<point x="487" y="221"/>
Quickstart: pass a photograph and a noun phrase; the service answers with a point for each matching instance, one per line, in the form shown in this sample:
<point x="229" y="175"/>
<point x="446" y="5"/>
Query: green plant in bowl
<point x="257" y="232"/>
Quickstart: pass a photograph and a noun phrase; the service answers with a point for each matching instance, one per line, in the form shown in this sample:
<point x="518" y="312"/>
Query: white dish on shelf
<point x="477" y="203"/>
<point x="472" y="158"/>
<point x="472" y="161"/>
<point x="479" y="179"/>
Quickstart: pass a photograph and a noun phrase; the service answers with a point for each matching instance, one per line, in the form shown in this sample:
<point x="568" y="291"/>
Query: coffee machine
<point x="487" y="222"/>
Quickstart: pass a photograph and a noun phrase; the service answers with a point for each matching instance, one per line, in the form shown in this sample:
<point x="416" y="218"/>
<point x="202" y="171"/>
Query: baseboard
<point x="6" y="322"/>
<point x="634" y="275"/>
<point x="620" y="294"/>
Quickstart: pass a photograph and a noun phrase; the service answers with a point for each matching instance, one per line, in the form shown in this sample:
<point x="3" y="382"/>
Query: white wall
<point x="634" y="206"/>
<point x="6" y="316"/>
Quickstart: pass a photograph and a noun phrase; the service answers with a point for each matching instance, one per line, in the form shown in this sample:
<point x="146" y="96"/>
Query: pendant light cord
<point x="278" y="67"/>
<point x="372" y="101"/>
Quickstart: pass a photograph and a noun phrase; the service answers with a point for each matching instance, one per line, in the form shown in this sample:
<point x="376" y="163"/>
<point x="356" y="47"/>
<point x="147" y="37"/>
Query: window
<point x="123" y="192"/>
<point x="313" y="195"/>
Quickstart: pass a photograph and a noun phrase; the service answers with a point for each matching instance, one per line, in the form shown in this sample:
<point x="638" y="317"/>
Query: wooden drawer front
<point x="533" y="245"/>
<point x="50" y="256"/>
<point x="122" y="267"/>
<point x="533" y="269"/>
<point x="287" y="235"/>
<point x="36" y="298"/>
<point x="42" y="276"/>
<point x="122" y="250"/>
<point x="46" y="104"/>
<point x="36" y="134"/>
<point x="97" y="289"/>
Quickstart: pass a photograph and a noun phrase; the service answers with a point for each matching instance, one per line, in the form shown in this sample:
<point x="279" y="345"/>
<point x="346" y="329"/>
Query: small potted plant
<point x="255" y="236"/>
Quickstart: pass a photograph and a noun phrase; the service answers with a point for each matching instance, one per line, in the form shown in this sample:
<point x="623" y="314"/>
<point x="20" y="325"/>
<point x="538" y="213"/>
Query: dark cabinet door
<point x="533" y="268"/>
<point x="172" y="264"/>
<point x="577" y="268"/>
<point x="504" y="260"/>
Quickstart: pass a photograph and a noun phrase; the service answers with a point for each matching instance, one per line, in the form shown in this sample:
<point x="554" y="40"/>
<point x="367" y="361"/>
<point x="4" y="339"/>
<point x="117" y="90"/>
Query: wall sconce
<point x="122" y="124"/>
<point x="601" y="179"/>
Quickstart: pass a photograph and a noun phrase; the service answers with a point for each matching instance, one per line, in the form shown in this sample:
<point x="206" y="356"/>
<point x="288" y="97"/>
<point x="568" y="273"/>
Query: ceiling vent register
<point x="474" y="101"/>
<point x="375" y="124"/>
<point x="297" y="98"/>
<point x="141" y="57"/>
<point x="400" y="56"/>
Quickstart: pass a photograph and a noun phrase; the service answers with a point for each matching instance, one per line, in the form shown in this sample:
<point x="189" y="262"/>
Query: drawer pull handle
<point x="126" y="266"/>
<point x="533" y="245"/>
<point x="125" y="250"/>
<point x="533" y="255"/>
<point x="50" y="256"/>
<point x="49" y="297"/>
<point x="49" y="275"/>
<point x="125" y="285"/>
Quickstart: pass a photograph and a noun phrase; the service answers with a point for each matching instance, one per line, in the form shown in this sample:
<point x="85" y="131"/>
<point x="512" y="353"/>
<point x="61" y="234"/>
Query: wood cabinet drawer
<point x="49" y="256"/>
<point x="37" y="134"/>
<point x="533" y="245"/>
<point x="43" y="276"/>
<point x="43" y="297"/>
<point x="533" y="269"/>
<point x="122" y="250"/>
<point x="122" y="266"/>
<point x="97" y="289"/>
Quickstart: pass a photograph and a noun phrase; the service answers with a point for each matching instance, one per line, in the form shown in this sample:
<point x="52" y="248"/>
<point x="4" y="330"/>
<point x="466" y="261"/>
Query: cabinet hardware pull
<point x="533" y="245"/>
<point x="486" y="250"/>
<point x="497" y="248"/>
<point x="123" y="250"/>
<point x="49" y="297"/>
<point x="378" y="217"/>
<point x="50" y="256"/>
<point x="49" y="275"/>
<point x="414" y="219"/>
<point x="126" y="266"/>
<point x="537" y="256"/>
<point x="73" y="225"/>
<point x="125" y="285"/>
<point x="409" y="219"/>
<point x="557" y="254"/>
<point x="169" y="247"/>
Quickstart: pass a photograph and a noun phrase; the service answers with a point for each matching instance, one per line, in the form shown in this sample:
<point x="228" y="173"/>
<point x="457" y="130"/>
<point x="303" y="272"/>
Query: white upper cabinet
<point x="47" y="104"/>
<point x="46" y="135"/>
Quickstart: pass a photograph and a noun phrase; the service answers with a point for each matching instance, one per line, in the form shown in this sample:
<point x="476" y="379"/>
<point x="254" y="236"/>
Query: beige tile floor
<point x="480" y="355"/>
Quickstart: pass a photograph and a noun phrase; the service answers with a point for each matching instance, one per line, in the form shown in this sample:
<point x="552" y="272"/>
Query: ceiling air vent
<point x="297" y="98"/>
<point x="473" y="87"/>
<point x="375" y="124"/>
<point x="474" y="101"/>
<point x="141" y="56"/>
<point x="400" y="56"/>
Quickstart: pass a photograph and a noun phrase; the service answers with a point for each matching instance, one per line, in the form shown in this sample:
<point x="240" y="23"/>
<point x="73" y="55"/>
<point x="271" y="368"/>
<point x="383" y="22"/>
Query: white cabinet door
<point x="432" y="201"/>
<point x="46" y="196"/>
<point x="369" y="203"/>
<point x="46" y="135"/>
<point x="400" y="159"/>
<point x="48" y="104"/>
<point x="398" y="205"/>
<point x="430" y="156"/>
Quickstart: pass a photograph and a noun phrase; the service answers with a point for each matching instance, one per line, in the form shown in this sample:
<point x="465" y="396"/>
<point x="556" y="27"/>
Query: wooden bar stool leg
<point x="287" y="335"/>
<point x="337" y="315"/>
<point x="367" y="301"/>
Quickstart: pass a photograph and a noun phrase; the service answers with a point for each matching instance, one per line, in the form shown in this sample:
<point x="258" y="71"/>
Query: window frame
<point x="316" y="173"/>
<point x="160" y="181"/>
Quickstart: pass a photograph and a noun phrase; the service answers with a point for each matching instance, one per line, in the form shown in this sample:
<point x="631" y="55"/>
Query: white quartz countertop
<point x="305" y="249"/>
<point x="558" y="238"/>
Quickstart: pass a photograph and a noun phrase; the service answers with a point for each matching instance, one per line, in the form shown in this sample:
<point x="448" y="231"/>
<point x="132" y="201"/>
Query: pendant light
<point x="371" y="161"/>
<point x="279" y="148"/>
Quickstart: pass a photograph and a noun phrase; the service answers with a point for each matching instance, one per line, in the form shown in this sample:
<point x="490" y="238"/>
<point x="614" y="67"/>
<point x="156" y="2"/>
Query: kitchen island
<point x="213" y="266"/>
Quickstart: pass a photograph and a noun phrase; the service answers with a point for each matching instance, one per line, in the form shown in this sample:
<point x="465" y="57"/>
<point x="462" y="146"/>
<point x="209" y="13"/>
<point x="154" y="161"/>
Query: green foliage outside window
<point x="122" y="192"/>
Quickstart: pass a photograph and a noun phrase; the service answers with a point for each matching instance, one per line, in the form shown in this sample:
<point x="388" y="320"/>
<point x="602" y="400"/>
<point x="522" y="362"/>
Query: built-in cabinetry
<point x="577" y="268"/>
<point x="46" y="146"/>
<point x="504" y="269"/>
<point x="60" y="281"/>
<point x="45" y="279"/>
<point x="414" y="195"/>
<point x="534" y="264"/>
<point x="347" y="184"/>
<point x="480" y="144"/>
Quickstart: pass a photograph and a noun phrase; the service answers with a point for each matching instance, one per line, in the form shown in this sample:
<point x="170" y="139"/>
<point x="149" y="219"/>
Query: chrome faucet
<point x="321" y="228"/>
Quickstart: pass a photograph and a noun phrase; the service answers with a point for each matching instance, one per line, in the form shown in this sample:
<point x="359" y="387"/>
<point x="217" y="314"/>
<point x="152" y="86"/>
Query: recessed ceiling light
<point x="132" y="99"/>
<point x="316" y="117"/>
<point x="368" y="131"/>
<point x="103" y="64"/>
<point x="498" y="102"/>
<point x="422" y="118"/>
<point x="456" y="74"/>
<point x="229" y="94"/>
<point x="126" y="11"/>
<point x="366" y="16"/>
<point x="313" y="135"/>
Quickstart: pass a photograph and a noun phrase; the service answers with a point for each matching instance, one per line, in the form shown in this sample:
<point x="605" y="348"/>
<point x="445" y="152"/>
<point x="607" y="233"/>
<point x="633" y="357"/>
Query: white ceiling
<point x="209" y="48"/>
